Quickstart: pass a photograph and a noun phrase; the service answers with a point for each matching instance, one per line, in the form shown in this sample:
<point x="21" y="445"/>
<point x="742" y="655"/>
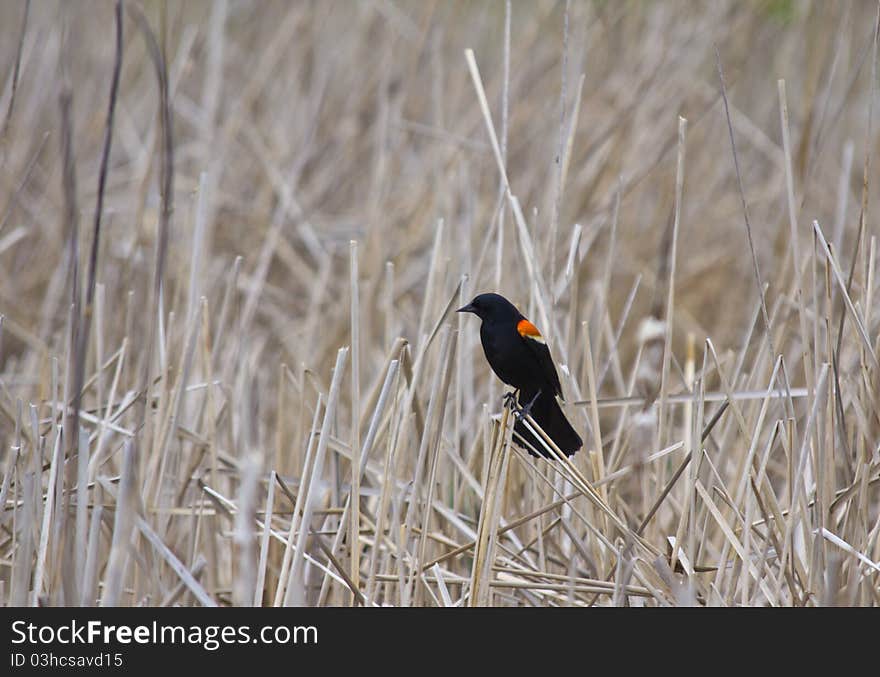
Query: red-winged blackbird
<point x="519" y="356"/>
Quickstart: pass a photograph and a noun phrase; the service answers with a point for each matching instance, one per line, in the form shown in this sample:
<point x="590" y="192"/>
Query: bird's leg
<point x="510" y="399"/>
<point x="526" y="410"/>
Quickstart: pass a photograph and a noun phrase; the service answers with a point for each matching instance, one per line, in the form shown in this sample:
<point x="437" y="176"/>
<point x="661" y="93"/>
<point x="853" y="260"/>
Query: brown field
<point x="230" y="373"/>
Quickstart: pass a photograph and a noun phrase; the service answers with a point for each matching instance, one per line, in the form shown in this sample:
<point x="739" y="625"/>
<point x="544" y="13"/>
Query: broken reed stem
<point x="481" y="570"/>
<point x="355" y="497"/>
<point x="295" y="595"/>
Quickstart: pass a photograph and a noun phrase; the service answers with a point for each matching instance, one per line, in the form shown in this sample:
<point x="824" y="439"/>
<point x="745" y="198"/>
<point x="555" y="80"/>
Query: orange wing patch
<point x="527" y="330"/>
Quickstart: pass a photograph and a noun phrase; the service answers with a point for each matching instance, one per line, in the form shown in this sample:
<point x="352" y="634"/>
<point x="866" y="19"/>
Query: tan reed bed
<point x="230" y="373"/>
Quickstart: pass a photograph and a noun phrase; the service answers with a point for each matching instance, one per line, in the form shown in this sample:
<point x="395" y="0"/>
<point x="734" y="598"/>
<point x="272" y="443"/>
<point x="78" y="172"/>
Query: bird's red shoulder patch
<point x="527" y="330"/>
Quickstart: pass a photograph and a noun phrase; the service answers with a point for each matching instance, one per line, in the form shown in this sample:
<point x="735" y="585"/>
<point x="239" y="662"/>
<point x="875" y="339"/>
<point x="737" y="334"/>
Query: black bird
<point x="519" y="356"/>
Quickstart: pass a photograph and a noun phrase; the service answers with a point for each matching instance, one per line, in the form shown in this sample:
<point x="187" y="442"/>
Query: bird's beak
<point x="466" y="309"/>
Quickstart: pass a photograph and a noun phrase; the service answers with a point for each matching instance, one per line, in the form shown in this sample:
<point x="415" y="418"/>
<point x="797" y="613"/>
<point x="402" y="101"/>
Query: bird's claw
<point x="527" y="409"/>
<point x="509" y="400"/>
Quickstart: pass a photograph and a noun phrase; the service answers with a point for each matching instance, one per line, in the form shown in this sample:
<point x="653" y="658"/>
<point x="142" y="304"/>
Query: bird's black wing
<point x="538" y="347"/>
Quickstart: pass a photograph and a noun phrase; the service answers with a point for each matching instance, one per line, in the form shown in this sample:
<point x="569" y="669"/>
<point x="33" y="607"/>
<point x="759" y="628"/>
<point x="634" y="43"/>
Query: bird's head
<point x="492" y="308"/>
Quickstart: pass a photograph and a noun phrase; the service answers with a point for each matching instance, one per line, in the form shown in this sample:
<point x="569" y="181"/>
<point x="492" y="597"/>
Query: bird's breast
<point x="508" y="356"/>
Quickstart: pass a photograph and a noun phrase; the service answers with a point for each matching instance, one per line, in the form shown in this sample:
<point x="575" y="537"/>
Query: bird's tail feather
<point x="548" y="414"/>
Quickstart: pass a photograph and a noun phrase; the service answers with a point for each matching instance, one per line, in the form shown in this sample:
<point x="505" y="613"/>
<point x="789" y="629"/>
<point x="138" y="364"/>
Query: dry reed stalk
<point x="295" y="594"/>
<point x="485" y="542"/>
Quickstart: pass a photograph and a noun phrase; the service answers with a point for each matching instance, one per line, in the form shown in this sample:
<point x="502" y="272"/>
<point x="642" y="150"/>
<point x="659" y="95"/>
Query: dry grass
<point x="229" y="373"/>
